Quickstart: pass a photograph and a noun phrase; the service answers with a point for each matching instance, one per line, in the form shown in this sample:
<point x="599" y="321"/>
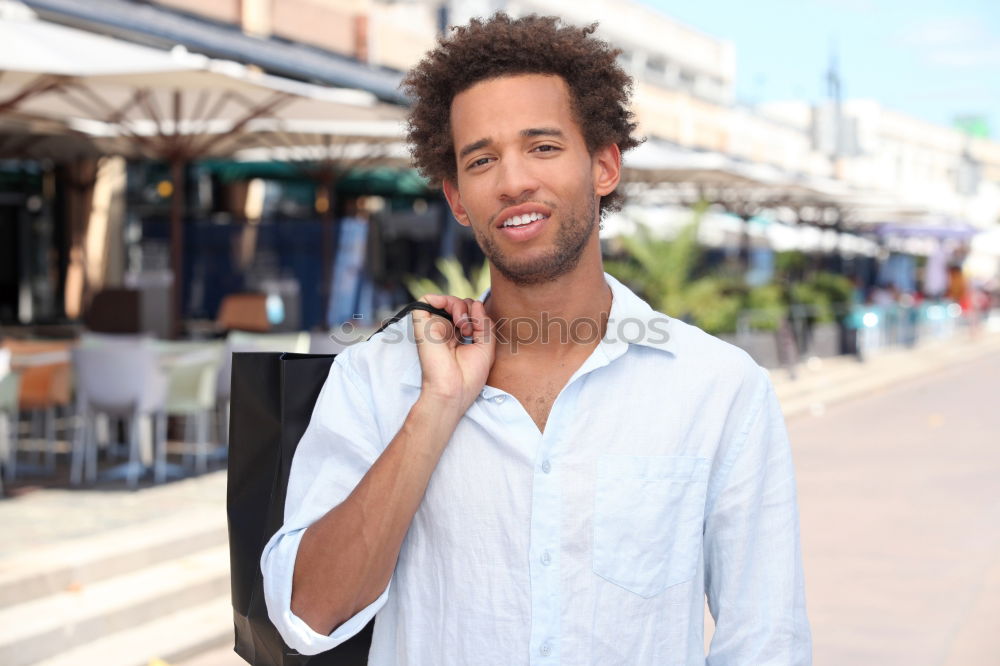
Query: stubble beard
<point x="570" y="242"/>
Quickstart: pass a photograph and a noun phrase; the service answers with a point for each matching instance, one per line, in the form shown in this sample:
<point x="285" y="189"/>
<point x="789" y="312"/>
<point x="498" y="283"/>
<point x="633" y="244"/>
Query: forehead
<point x="509" y="104"/>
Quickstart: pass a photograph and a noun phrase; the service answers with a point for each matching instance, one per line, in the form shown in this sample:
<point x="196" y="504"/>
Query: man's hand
<point x="454" y="372"/>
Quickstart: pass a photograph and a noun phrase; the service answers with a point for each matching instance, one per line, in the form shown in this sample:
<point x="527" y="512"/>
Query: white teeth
<point x="521" y="220"/>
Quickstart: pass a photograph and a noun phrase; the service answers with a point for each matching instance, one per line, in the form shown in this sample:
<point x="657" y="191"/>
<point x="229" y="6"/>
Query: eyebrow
<point x="541" y="131"/>
<point x="473" y="147"/>
<point x="527" y="133"/>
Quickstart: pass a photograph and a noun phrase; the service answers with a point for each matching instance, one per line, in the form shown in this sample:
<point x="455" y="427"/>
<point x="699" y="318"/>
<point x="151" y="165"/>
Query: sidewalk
<point x="898" y="502"/>
<point x="114" y="577"/>
<point x="824" y="382"/>
<point x="40" y="519"/>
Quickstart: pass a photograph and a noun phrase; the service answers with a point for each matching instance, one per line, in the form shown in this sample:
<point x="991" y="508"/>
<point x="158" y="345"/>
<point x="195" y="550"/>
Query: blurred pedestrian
<point x="958" y="288"/>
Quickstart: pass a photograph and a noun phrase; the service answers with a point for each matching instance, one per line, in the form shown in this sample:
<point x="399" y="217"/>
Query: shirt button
<point x="498" y="399"/>
<point x="546" y="467"/>
<point x="545" y="650"/>
<point x="546" y="558"/>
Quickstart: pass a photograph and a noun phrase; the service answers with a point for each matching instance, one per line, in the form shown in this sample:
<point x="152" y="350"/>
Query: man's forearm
<point x="346" y="558"/>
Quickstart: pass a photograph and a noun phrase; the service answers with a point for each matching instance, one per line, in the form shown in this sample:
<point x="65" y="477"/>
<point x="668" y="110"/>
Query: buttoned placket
<point x="546" y="515"/>
<point x="546" y="535"/>
<point x="546" y="505"/>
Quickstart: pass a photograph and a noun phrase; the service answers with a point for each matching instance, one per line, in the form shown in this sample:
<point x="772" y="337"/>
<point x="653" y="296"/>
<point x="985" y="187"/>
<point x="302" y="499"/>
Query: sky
<point x="934" y="60"/>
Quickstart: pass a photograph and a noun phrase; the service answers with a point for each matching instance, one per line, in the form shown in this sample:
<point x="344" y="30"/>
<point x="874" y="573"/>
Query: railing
<point x="895" y="325"/>
<point x="777" y="339"/>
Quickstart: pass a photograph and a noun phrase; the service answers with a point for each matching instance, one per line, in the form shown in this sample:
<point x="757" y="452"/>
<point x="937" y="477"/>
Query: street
<point x="899" y="498"/>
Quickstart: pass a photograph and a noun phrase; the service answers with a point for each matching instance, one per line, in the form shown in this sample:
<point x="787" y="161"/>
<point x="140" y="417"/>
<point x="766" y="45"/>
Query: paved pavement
<point x="900" y="497"/>
<point x="39" y="517"/>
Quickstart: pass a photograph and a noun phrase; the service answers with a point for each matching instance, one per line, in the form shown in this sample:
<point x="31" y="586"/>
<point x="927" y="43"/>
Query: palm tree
<point x="455" y="281"/>
<point x="664" y="272"/>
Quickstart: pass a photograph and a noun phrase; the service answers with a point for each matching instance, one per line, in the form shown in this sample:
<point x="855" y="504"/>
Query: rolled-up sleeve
<point x="753" y="564"/>
<point x="339" y="446"/>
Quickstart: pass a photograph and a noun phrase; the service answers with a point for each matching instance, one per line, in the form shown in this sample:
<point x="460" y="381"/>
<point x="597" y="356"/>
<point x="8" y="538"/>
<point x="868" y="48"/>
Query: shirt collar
<point x="631" y="322"/>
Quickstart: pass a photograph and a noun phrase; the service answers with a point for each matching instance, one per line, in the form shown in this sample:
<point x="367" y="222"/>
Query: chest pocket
<point x="648" y="517"/>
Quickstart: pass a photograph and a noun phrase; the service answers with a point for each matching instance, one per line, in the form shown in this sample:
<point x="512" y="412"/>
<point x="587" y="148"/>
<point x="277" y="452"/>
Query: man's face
<point x="525" y="182"/>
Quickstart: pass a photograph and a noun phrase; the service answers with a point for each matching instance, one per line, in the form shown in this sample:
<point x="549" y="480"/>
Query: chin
<point x="532" y="272"/>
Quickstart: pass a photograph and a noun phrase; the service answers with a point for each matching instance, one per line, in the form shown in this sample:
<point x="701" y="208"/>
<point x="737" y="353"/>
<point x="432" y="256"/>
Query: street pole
<point x="327" y="225"/>
<point x="177" y="243"/>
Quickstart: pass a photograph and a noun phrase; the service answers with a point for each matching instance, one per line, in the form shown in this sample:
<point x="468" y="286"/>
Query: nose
<point x="515" y="178"/>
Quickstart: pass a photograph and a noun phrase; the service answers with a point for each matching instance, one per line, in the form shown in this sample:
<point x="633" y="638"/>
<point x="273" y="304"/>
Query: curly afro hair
<point x="482" y="50"/>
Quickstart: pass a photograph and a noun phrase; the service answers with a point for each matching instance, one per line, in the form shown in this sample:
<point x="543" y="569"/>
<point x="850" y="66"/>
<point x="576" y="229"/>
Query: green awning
<point x="381" y="181"/>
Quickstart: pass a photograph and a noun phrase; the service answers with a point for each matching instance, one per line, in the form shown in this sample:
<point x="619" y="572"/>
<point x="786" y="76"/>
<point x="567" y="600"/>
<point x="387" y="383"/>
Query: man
<point x="567" y="483"/>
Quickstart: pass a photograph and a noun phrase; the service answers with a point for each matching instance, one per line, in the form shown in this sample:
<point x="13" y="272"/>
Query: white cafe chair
<point x="124" y="381"/>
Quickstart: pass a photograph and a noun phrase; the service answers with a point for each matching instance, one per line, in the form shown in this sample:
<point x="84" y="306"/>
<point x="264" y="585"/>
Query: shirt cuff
<point x="278" y="565"/>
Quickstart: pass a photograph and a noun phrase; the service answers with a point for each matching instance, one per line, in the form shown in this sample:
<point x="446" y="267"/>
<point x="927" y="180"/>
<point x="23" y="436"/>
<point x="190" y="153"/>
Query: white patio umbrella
<point x="357" y="142"/>
<point x="655" y="163"/>
<point x="174" y="106"/>
<point x="681" y="176"/>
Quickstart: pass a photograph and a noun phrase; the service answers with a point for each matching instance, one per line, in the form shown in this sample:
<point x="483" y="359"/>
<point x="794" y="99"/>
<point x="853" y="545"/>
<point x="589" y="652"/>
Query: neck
<point x="540" y="317"/>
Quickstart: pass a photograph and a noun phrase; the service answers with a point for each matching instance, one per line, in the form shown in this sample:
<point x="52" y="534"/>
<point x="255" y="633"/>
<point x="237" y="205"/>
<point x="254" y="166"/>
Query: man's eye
<point x="545" y="148"/>
<point x="480" y="162"/>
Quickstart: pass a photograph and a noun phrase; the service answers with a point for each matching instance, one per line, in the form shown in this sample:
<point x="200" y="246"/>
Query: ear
<point x="455" y="202"/>
<point x="607" y="169"/>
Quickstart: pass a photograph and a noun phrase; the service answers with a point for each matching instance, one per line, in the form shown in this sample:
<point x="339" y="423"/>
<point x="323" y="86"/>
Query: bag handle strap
<point x="416" y="305"/>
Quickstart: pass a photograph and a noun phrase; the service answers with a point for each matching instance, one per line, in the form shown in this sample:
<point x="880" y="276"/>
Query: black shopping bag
<point x="272" y="401"/>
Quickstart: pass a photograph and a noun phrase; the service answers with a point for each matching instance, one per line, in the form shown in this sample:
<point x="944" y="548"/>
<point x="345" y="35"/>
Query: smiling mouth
<point x="522" y="220"/>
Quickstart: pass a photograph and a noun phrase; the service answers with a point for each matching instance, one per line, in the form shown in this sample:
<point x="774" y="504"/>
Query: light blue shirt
<point x="664" y="475"/>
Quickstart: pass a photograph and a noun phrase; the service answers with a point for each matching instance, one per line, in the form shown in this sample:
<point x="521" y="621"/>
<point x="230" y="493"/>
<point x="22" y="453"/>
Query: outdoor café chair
<point x="123" y="381"/>
<point x="9" y="388"/>
<point x="191" y="392"/>
<point x="46" y="389"/>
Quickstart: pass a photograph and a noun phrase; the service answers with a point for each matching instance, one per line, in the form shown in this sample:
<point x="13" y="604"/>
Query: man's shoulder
<point x="387" y="357"/>
<point x="702" y="355"/>
<point x="701" y="343"/>
<point x="685" y="345"/>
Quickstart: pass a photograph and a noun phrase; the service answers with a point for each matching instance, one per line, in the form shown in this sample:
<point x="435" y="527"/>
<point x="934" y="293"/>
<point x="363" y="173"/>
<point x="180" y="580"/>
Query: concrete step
<point x="819" y="398"/>
<point x="71" y="564"/>
<point x="845" y="379"/>
<point x="170" y="638"/>
<point x="49" y="626"/>
<point x="813" y="373"/>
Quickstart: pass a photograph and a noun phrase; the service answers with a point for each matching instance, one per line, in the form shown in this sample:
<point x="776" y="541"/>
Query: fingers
<point x="481" y="326"/>
<point x="430" y="327"/>
<point x="427" y="326"/>
<point x="467" y="325"/>
<point x="437" y="300"/>
<point x="458" y="308"/>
